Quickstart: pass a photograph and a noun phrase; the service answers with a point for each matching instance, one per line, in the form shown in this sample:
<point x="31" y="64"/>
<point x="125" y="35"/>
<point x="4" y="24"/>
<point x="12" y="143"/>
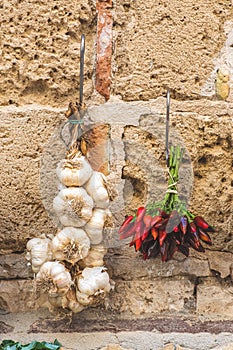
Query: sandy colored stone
<point x="114" y="347"/>
<point x="24" y="135"/>
<point x="137" y="298"/>
<point x="40" y="51"/>
<point x="174" y="347"/>
<point x="220" y="262"/>
<point x="131" y="266"/>
<point x="20" y="296"/>
<point x="172" y="44"/>
<point x="14" y="266"/>
<point x="224" y="347"/>
<point x="214" y="299"/>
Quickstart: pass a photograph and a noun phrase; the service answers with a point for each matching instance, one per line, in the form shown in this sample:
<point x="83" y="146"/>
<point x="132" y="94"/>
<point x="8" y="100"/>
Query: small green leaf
<point x="30" y="346"/>
<point x="35" y="345"/>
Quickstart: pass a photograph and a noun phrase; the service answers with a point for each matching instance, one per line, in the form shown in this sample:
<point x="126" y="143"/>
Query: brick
<point x="104" y="52"/>
<point x="103" y="4"/>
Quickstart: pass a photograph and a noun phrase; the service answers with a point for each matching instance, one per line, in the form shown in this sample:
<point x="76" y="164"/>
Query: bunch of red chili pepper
<point x="167" y="226"/>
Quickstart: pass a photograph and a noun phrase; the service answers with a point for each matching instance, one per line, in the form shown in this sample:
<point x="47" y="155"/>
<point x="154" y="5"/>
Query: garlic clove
<point x="73" y="206"/>
<point x="74" y="172"/>
<point x="94" y="258"/>
<point x="83" y="298"/>
<point x="38" y="252"/>
<point x="70" y="244"/>
<point x="72" y="302"/>
<point x="94" y="227"/>
<point x="96" y="188"/>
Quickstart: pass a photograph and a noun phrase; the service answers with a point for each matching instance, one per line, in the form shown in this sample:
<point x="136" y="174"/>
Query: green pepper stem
<point x="171" y="199"/>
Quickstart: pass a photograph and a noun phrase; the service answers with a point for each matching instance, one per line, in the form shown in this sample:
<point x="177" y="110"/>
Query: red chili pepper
<point x="183" y="224"/>
<point x="197" y="246"/>
<point x="154" y="233"/>
<point x="171" y="249"/>
<point x="195" y="237"/>
<point x="193" y="227"/>
<point x="145" y="256"/>
<point x="164" y="251"/>
<point x="147" y="220"/>
<point x="184" y="249"/>
<point x="147" y="226"/>
<point x="138" y="244"/>
<point x="179" y="237"/>
<point x="155" y="220"/>
<point x="199" y="221"/>
<point x="204" y="236"/>
<point x="176" y="229"/>
<point x="162" y="236"/>
<point x="161" y="224"/>
<point x="153" y="250"/>
<point x="137" y="241"/>
<point x="145" y="233"/>
<point x="129" y="231"/>
<point x="173" y="221"/>
<point x="140" y="213"/>
<point x="125" y="223"/>
<point x="163" y="214"/>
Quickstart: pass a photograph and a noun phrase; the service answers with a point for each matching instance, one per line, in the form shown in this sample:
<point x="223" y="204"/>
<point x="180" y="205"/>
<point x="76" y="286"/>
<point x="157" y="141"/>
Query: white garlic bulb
<point x="73" y="206"/>
<point x="95" y="257"/>
<point x="70" y="244"/>
<point x="53" y="278"/>
<point x="96" y="188"/>
<point x="93" y="283"/>
<point x="94" y="227"/>
<point x="74" y="172"/>
<point x="38" y="252"/>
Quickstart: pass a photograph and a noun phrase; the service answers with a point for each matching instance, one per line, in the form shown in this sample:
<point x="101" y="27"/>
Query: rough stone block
<point x="146" y="61"/>
<point x="220" y="262"/>
<point x="214" y="299"/>
<point x="14" y="266"/>
<point x="131" y="266"/>
<point x="155" y="297"/>
<point x="20" y="296"/>
<point x="40" y="51"/>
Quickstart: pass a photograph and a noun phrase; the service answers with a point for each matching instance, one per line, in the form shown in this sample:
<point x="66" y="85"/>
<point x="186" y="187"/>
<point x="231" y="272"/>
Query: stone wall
<point x="184" y="46"/>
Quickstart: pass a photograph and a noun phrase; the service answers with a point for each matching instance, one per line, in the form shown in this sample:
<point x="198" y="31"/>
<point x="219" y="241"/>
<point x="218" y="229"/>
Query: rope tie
<point x="173" y="184"/>
<point x="171" y="191"/>
<point x="75" y="121"/>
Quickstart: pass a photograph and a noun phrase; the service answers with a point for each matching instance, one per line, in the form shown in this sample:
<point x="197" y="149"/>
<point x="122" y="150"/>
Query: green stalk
<point x="171" y="200"/>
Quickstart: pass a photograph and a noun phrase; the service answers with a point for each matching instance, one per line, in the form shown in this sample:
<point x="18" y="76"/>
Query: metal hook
<point x="76" y="111"/>
<point x="81" y="74"/>
<point x="167" y="126"/>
